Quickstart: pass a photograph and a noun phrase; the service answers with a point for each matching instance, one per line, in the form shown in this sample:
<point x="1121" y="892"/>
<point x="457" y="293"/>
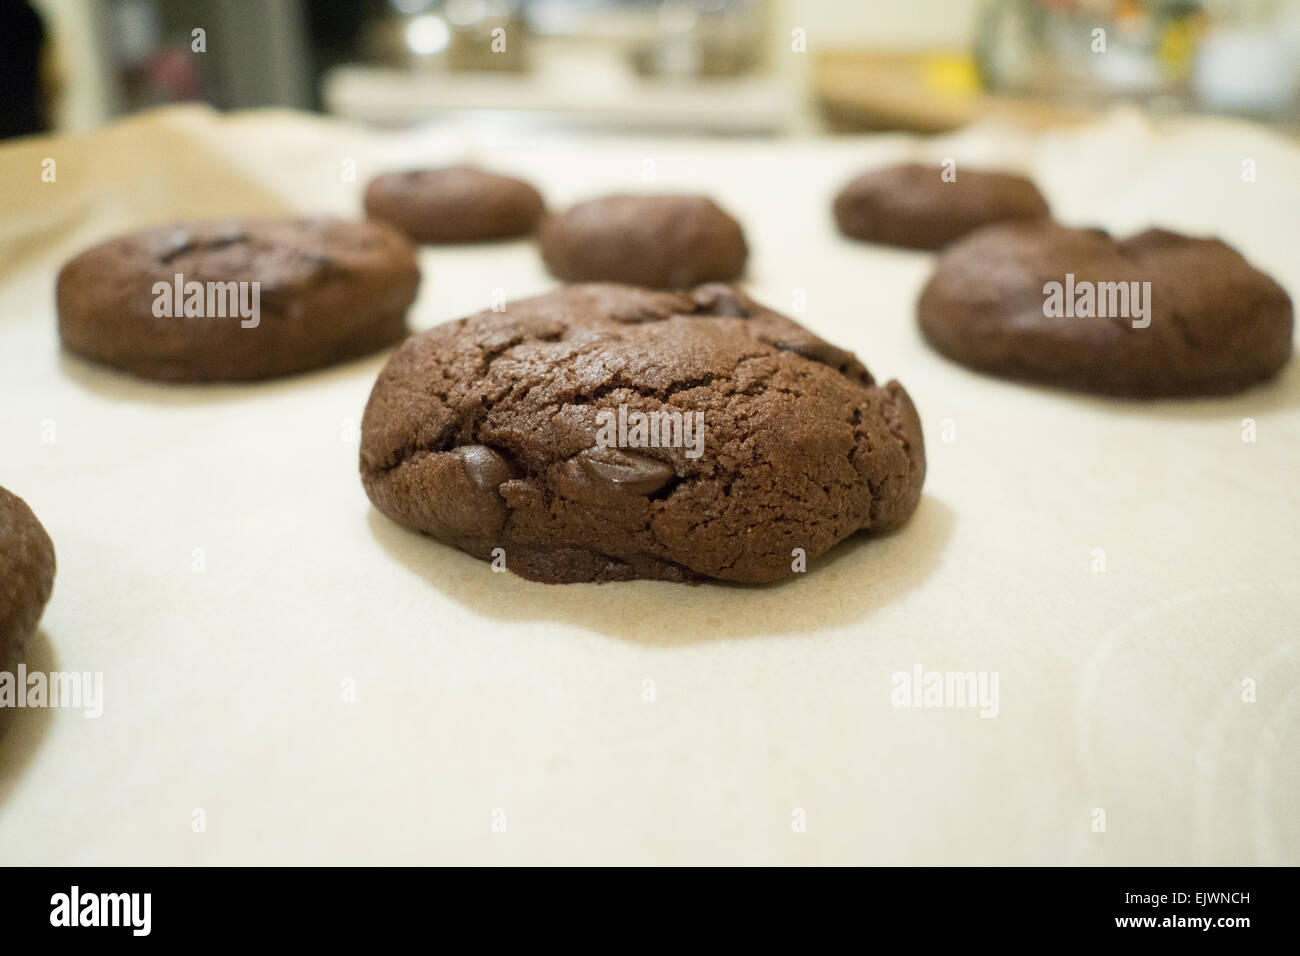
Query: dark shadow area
<point x="22" y="730"/>
<point x="845" y="585"/>
<point x="121" y="386"/>
<point x="1276" y="395"/>
<point x="1280" y="393"/>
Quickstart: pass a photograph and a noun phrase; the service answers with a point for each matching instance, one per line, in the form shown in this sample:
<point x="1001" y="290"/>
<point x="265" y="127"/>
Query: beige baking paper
<point x="290" y="678"/>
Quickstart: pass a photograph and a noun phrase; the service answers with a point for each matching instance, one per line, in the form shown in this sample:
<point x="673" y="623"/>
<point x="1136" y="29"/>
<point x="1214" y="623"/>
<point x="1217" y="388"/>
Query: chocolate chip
<point x="639" y="474"/>
<point x="182" y="242"/>
<point x="720" y="300"/>
<point x="822" y="352"/>
<point x="471" y="505"/>
<point x="487" y="468"/>
<point x="177" y="244"/>
<point x="231" y="238"/>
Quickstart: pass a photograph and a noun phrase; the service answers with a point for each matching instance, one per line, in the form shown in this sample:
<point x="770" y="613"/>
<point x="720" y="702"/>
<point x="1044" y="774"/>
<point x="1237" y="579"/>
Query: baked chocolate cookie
<point x="1159" y="314"/>
<point x="604" y="432"/>
<point x="911" y="205"/>
<point x="26" y="577"/>
<point x="238" y="301"/>
<point x="459" y="204"/>
<point x="661" y="242"/>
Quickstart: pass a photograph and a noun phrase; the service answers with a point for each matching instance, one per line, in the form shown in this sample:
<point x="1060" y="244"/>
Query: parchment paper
<point x="220" y="564"/>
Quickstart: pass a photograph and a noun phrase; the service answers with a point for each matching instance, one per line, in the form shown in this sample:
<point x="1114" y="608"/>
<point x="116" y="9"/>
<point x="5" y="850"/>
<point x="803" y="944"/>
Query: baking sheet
<point x="221" y="566"/>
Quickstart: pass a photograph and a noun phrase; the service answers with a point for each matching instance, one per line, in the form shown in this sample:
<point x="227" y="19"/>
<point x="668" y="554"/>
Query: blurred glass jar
<point x="701" y="38"/>
<point x="462" y="35"/>
<point x="487" y="35"/>
<point x="1236" y="55"/>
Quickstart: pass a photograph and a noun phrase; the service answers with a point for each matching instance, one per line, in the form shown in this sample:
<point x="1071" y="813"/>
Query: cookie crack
<point x="201" y="245"/>
<point x="490" y="353"/>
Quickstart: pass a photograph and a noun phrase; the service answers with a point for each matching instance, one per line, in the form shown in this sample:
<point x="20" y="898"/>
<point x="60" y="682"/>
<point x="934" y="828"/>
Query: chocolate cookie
<point x="237" y="301"/>
<point x="1156" y="315"/>
<point x="459" y="204"/>
<point x="911" y="205"/>
<point x="26" y="577"/>
<point x="604" y="433"/>
<point x="662" y="242"/>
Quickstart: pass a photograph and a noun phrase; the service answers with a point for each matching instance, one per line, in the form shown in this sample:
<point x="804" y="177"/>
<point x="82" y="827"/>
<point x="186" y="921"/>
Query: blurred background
<point x="770" y="67"/>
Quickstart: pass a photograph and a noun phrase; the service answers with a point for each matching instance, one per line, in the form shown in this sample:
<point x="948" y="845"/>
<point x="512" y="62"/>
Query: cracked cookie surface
<point x="1216" y="324"/>
<point x="328" y="291"/>
<point x="486" y="433"/>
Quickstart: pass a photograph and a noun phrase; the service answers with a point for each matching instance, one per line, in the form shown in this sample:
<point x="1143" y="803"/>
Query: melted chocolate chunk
<point x="822" y="352"/>
<point x="629" y="471"/>
<point x="485" y="467"/>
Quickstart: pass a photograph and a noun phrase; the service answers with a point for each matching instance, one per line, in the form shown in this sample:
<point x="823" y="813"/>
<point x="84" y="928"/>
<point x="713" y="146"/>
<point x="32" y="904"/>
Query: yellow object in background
<point x="1176" y="51"/>
<point x="951" y="73"/>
